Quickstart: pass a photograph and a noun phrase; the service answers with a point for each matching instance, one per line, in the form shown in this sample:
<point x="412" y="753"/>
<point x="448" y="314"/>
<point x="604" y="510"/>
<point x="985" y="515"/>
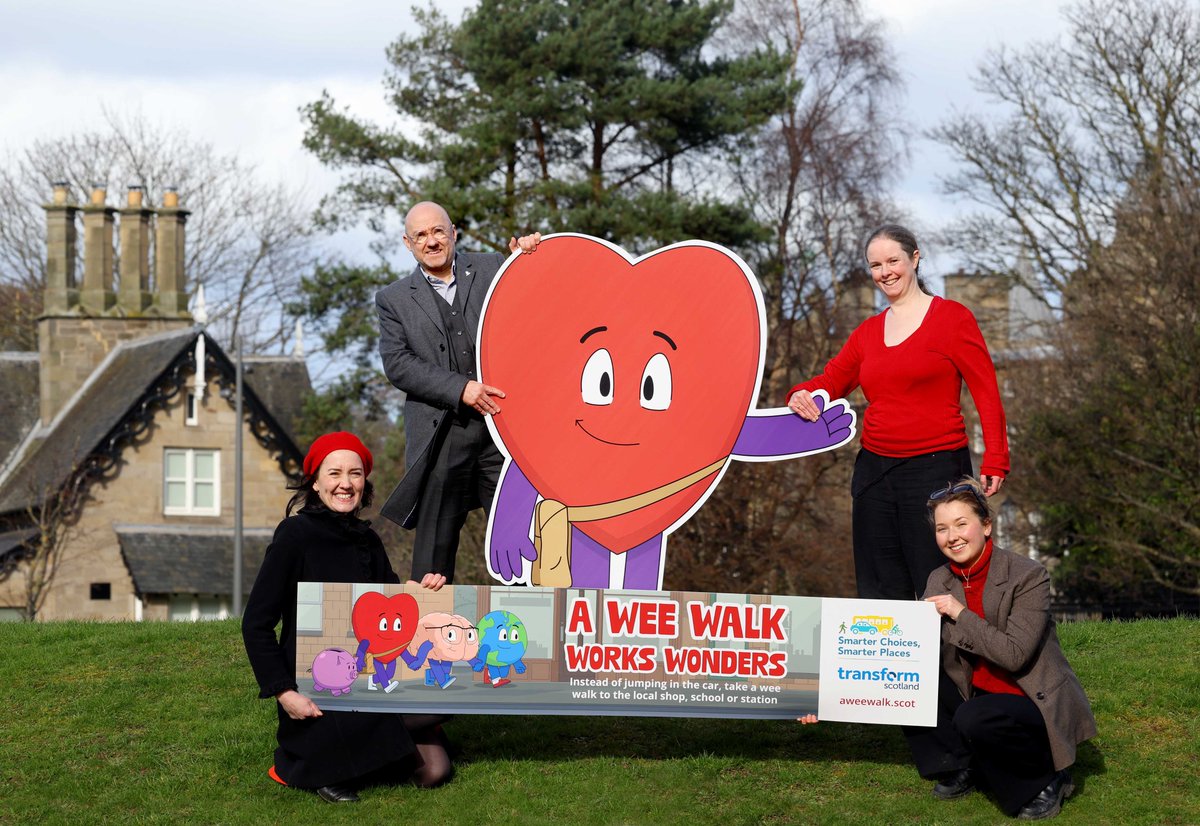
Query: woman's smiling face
<point x="960" y="532"/>
<point x="340" y="481"/>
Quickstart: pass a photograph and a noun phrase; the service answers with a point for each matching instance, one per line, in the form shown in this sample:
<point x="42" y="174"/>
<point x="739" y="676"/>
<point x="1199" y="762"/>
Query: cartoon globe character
<point x="502" y="643"/>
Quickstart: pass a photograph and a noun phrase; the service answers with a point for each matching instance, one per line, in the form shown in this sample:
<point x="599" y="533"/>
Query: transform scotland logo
<point x="895" y="680"/>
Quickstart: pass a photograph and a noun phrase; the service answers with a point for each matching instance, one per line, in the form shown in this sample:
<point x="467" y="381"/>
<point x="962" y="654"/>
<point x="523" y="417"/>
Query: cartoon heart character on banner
<point x="384" y="627"/>
<point x="630" y="384"/>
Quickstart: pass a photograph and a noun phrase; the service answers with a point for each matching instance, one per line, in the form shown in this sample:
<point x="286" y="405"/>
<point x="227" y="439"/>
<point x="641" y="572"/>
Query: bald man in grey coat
<point x="428" y="324"/>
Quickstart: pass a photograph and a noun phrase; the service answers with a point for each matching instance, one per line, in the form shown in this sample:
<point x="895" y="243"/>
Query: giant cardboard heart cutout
<point x="622" y="376"/>
<point x="387" y="623"/>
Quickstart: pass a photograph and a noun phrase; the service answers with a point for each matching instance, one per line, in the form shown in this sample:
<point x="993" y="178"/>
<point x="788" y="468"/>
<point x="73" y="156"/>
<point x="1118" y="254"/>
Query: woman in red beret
<point x="331" y="753"/>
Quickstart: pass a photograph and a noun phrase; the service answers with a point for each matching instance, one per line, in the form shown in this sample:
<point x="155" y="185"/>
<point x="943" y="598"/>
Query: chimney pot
<point x="60" y="193"/>
<point x="135" y="196"/>
<point x="171" y="197"/>
<point x="99" y="194"/>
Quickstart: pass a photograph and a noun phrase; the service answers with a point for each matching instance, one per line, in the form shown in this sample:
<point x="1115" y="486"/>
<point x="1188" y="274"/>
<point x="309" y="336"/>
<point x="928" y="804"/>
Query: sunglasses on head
<point x="962" y="487"/>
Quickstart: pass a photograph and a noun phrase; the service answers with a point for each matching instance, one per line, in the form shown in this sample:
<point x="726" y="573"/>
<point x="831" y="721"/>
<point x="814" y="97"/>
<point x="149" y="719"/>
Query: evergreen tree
<point x="599" y="117"/>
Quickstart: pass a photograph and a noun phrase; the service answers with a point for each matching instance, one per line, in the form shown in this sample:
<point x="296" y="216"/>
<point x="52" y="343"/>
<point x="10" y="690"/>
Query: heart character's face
<point x="619" y="377"/>
<point x="387" y="623"/>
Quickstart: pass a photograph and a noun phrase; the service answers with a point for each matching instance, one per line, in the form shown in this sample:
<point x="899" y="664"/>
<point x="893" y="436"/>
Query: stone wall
<point x="72" y="347"/>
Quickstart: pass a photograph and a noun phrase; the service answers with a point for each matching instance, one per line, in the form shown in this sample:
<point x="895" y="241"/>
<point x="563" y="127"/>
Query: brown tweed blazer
<point x="1018" y="635"/>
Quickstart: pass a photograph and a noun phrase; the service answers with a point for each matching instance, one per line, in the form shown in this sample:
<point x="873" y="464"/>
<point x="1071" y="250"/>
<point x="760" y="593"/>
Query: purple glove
<point x="781" y="434"/>
<point x="508" y="540"/>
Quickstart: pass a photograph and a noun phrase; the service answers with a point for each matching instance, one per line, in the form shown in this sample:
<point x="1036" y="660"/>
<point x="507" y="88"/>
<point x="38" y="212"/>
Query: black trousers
<point x="894" y="547"/>
<point x="464" y="475"/>
<point x="1001" y="737"/>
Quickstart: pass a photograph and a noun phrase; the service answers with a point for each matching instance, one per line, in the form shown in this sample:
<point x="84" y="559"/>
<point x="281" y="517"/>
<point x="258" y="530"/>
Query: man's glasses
<point x="422" y="238"/>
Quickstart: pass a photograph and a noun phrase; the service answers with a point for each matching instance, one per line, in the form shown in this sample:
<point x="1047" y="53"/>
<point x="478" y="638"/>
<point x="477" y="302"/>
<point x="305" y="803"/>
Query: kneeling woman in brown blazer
<point x="1011" y="710"/>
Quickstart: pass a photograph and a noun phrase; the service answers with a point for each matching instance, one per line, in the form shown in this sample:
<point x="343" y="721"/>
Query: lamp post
<point x="237" y="485"/>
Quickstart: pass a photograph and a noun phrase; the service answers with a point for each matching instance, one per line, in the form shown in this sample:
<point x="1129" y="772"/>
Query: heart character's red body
<point x="387" y="623"/>
<point x="681" y="335"/>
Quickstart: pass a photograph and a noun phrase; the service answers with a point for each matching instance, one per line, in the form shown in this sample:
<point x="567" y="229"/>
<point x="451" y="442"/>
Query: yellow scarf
<point x="369" y="659"/>
<point x="553" y="519"/>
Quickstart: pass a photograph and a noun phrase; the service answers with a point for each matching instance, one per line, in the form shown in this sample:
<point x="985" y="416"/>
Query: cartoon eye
<point x="396" y="626"/>
<point x="597" y="383"/>
<point x="656" y="383"/>
<point x="472" y="635"/>
<point x="451" y="635"/>
<point x="503" y="635"/>
<point x="514" y="635"/>
<point x="383" y="623"/>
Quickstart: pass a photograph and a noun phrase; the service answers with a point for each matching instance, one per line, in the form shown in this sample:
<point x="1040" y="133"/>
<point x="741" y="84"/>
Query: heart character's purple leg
<point x="589" y="561"/>
<point x="643" y="565"/>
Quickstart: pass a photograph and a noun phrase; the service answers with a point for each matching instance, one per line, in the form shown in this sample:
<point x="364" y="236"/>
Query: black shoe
<point x="337" y="794"/>
<point x="955" y="785"/>
<point x="1048" y="801"/>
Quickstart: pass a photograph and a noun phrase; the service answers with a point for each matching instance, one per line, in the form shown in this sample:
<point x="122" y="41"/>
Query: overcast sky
<point x="234" y="73"/>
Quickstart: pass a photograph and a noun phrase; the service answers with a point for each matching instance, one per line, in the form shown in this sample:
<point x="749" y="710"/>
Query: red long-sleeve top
<point x="913" y="389"/>
<point x="985" y="674"/>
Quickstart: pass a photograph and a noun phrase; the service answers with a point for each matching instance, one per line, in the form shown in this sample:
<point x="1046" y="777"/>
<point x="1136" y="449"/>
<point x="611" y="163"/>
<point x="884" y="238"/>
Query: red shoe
<point x="500" y="682"/>
<point x="487" y="676"/>
<point x="274" y="776"/>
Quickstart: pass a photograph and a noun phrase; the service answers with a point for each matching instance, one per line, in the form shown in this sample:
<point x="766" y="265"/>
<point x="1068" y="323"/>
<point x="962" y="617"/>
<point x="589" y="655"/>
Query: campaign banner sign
<point x="469" y="649"/>
<point x="879" y="661"/>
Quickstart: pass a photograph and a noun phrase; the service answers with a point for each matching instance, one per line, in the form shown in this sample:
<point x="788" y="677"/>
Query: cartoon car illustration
<point x="861" y="627"/>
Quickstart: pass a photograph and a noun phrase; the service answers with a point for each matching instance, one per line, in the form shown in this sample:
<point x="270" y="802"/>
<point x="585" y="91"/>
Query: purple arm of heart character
<point x="766" y="435"/>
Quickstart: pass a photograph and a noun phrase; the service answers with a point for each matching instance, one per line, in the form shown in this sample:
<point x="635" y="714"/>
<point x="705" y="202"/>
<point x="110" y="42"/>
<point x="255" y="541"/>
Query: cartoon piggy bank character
<point x="630" y="384"/>
<point x="502" y="643"/>
<point x="451" y="638"/>
<point x="335" y="671"/>
<point x="384" y="627"/>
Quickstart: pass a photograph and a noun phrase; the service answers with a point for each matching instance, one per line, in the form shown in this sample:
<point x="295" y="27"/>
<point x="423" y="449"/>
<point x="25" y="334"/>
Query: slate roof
<point x="189" y="560"/>
<point x="281" y="383"/>
<point x="100" y="419"/>
<point x="19" y="400"/>
<point x="93" y="413"/>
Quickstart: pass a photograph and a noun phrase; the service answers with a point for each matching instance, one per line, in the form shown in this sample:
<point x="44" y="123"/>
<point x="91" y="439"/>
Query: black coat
<point x="317" y="545"/>
<point x="413" y="344"/>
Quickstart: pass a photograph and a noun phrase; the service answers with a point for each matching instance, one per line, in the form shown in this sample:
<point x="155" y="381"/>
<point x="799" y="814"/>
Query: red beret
<point x="324" y="445"/>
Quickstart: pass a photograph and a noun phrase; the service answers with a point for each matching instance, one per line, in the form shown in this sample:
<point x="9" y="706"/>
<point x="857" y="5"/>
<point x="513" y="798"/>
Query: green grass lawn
<point x="158" y="723"/>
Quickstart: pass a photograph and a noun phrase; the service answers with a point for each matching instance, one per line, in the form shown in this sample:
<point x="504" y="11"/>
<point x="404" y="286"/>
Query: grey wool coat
<point x="414" y="346"/>
<point x="1018" y="635"/>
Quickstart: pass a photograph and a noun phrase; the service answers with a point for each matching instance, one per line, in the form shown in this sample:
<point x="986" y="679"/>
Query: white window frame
<point x="311" y="596"/>
<point x="189" y="478"/>
<point x="191" y="603"/>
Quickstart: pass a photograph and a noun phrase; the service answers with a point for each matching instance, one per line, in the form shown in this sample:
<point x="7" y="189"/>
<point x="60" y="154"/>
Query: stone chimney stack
<point x="61" y="291"/>
<point x="133" y="294"/>
<point x="170" y="296"/>
<point x="97" y="294"/>
<point x="81" y="324"/>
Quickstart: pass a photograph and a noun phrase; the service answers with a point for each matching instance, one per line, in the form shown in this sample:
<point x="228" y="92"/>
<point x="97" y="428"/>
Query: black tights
<point x="426" y="731"/>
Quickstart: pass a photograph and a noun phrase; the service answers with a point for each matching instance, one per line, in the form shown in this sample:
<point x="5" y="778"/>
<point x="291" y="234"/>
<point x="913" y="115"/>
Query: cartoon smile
<point x="579" y="424"/>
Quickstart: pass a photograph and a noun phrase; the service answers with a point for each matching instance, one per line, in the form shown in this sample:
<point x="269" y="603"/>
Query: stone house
<point x="121" y="429"/>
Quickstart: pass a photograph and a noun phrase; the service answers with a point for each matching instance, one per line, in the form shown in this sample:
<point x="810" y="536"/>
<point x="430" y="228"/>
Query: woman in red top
<point x="1011" y="711"/>
<point x="910" y="361"/>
